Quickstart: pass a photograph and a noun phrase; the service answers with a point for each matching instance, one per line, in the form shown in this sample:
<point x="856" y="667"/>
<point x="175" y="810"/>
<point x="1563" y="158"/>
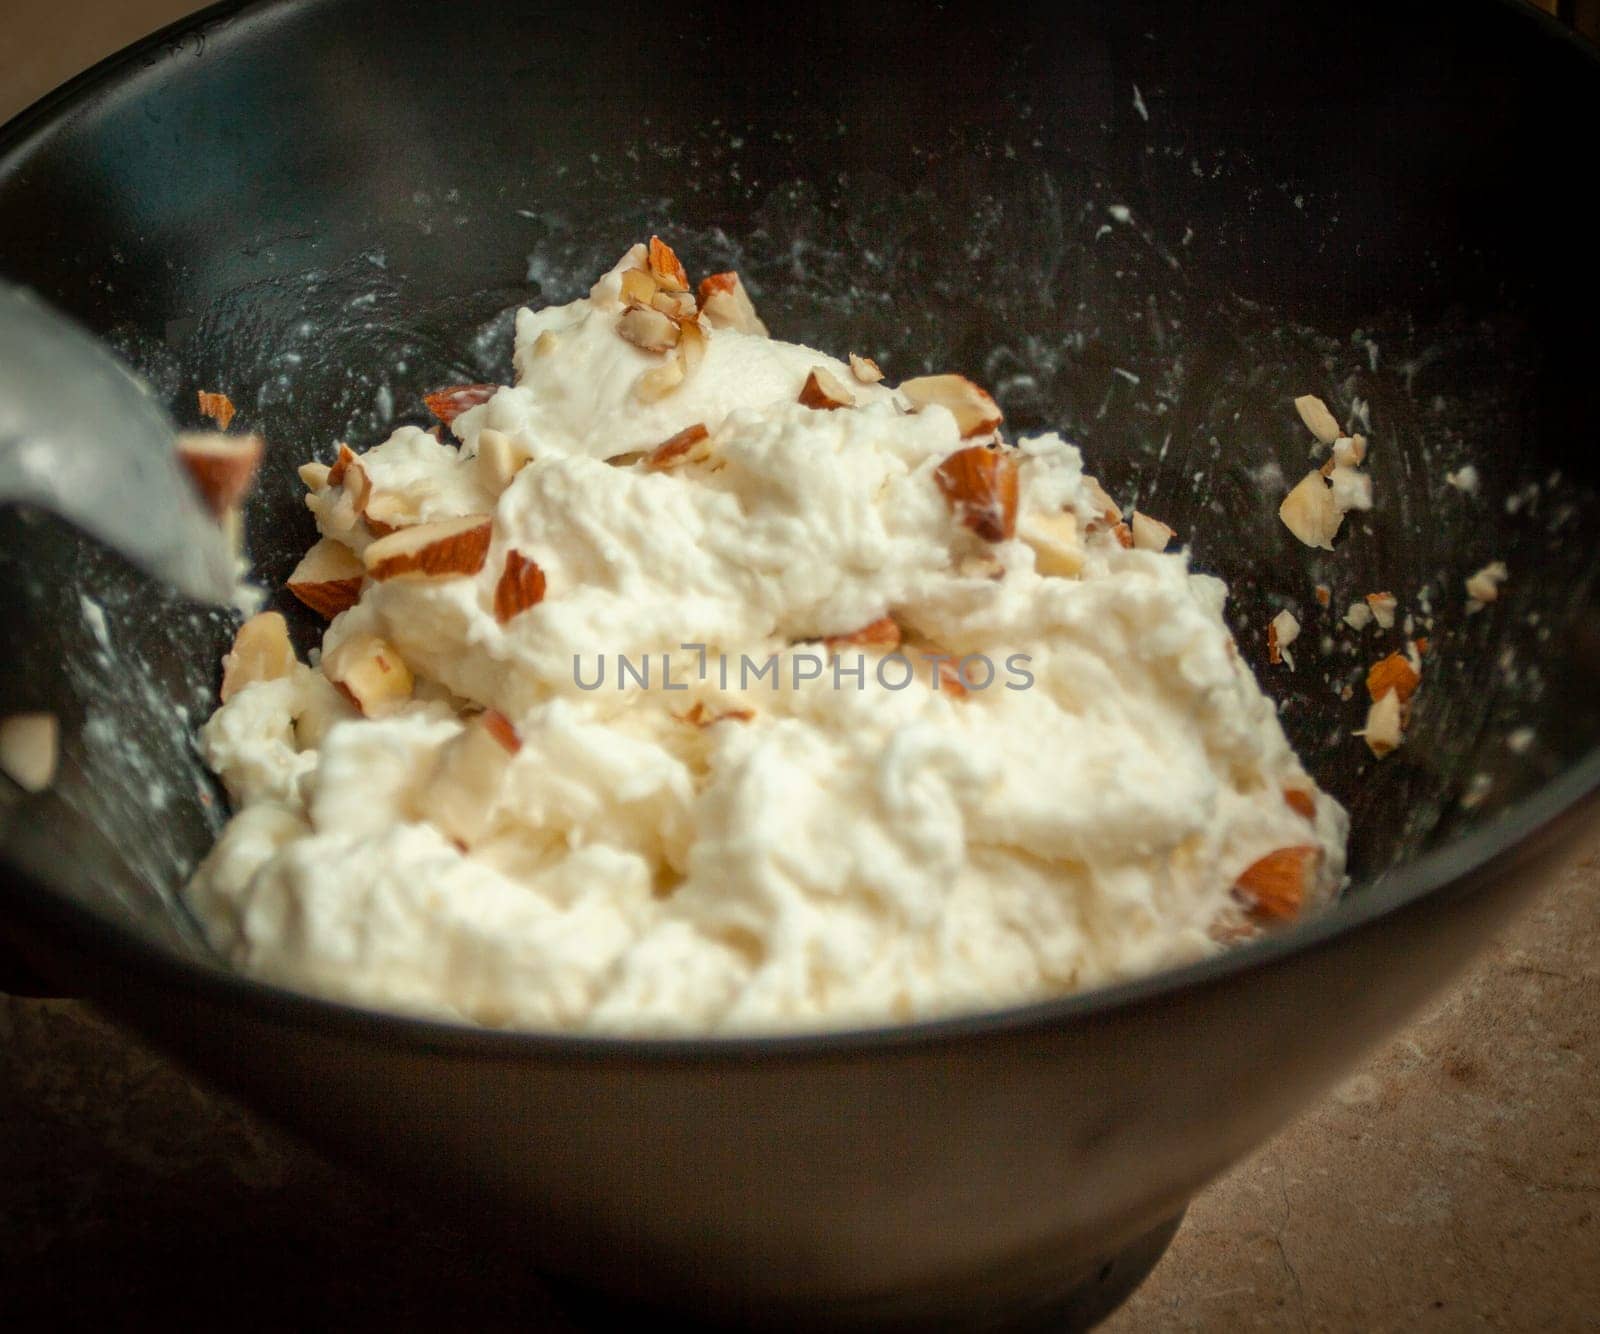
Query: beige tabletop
<point x="1453" y="1182"/>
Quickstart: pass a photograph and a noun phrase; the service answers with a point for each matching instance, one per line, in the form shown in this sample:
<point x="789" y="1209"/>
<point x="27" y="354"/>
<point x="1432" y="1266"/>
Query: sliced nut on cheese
<point x="1383" y="731"/>
<point x="447" y="549"/>
<point x="638" y="287"/>
<point x="824" y="391"/>
<point x="500" y="459"/>
<point x="1276" y="886"/>
<point x="449" y="403"/>
<point x="30" y="747"/>
<point x="261" y="652"/>
<point x="370" y="673"/>
<point x="520" y="586"/>
<point x="328" y="578"/>
<point x="865" y="369"/>
<point x="690" y="445"/>
<point x="649" y="329"/>
<point x="727" y="305"/>
<point x="980" y="485"/>
<point x="1057" y="548"/>
<point x="221" y="466"/>
<point x="1319" y="421"/>
<point x="975" y="412"/>
<point x="459" y="793"/>
<point x="1309" y="512"/>
<point x="219" y="407"/>
<point x="665" y="268"/>
<point x="882" y="633"/>
<point x="1150" y="534"/>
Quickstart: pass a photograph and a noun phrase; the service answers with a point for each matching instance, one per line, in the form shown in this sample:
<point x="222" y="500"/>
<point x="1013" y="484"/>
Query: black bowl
<point x="1149" y="225"/>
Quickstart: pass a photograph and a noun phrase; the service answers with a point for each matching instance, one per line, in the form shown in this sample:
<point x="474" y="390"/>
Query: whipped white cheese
<point x="774" y="832"/>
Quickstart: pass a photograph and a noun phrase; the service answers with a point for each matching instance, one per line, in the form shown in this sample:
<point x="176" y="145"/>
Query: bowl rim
<point x="1457" y="867"/>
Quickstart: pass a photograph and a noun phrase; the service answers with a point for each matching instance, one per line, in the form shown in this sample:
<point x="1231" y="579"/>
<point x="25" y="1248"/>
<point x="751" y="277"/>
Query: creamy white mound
<point x="710" y="853"/>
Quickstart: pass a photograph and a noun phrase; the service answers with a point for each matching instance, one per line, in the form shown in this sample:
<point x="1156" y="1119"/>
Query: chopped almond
<point x="261" y="652"/>
<point x="1309" y="512"/>
<point x="1283" y="630"/>
<point x="638" y="287"/>
<point x="1123" y="534"/>
<point x="221" y="466"/>
<point x="1275" y="886"/>
<point x="219" y="407"/>
<point x="500" y="459"/>
<point x="648" y="329"/>
<point x="1384" y="728"/>
<point x="1358" y="616"/>
<point x="1484" y="586"/>
<point x="328" y="578"/>
<point x="975" y="412"/>
<point x="1150" y="534"/>
<point x="675" y="305"/>
<point x="865" y="369"/>
<point x="497" y="725"/>
<point x="1100" y="502"/>
<point x="1323" y="594"/>
<point x="447" y="549"/>
<point x="369" y="673"/>
<point x="1394" y="673"/>
<point x="314" y="475"/>
<point x="980" y="485"/>
<point x="727" y="305"/>
<point x="1349" y="451"/>
<point x="1319" y="421"/>
<point x="949" y="680"/>
<point x="1382" y="606"/>
<point x="1057" y="549"/>
<point x="687" y="446"/>
<point x="457" y="797"/>
<point x="448" y="404"/>
<point x="521" y="586"/>
<point x="30" y="749"/>
<point x="824" y="391"/>
<point x="386" y="511"/>
<point x="882" y="633"/>
<point x="700" y="716"/>
<point x="665" y="268"/>
<point x="1301" y="802"/>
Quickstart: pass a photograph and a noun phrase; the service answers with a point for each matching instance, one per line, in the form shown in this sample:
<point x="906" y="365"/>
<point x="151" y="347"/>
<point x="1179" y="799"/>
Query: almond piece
<point x="648" y="329"/>
<point x="219" y="407"/>
<point x="980" y="485"/>
<point x="1484" y="586"/>
<point x="1057" y="549"/>
<point x="1384" y="730"/>
<point x="1323" y="594"/>
<point x="865" y="369"/>
<point x="386" y="511"/>
<point x="1123" y="534"/>
<point x="261" y="652"/>
<point x="447" y="549"/>
<point x="656" y="383"/>
<point x="1349" y="451"/>
<point x="699" y="716"/>
<point x="665" y="268"/>
<point x="221" y="466"/>
<point x="1275" y="886"/>
<point x="1301" y="802"/>
<point x="824" y="391"/>
<point x="1283" y="630"/>
<point x="1150" y="534"/>
<point x="1358" y="616"/>
<point x="1309" y="513"/>
<point x="675" y="305"/>
<point x="1100" y="502"/>
<point x="975" y="412"/>
<point x="521" y="585"/>
<point x="882" y="633"/>
<point x="1394" y="673"/>
<point x="459" y="793"/>
<point x="369" y="673"/>
<point x="1382" y="606"/>
<point x="687" y="446"/>
<point x="1319" y="421"/>
<point x="500" y="459"/>
<point x="30" y="749"/>
<point x="328" y="578"/>
<point x="314" y="475"/>
<point x="449" y="403"/>
<point x="727" y="305"/>
<point x="638" y="287"/>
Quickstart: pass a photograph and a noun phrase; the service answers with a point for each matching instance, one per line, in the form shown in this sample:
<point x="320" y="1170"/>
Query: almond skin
<point x="449" y="403"/>
<point x="219" y="407"/>
<point x="1275" y="886"/>
<point x="680" y="448"/>
<point x="328" y="578"/>
<point x="497" y="725"/>
<point x="1393" y="673"/>
<point x="824" y="391"/>
<point x="261" y="652"/>
<point x="1300" y="802"/>
<point x="700" y="716"/>
<point x="727" y="305"/>
<point x="980" y="485"/>
<point x="444" y="550"/>
<point x="865" y="369"/>
<point x="975" y="412"/>
<point x="222" y="467"/>
<point x="370" y="673"/>
<point x="881" y="633"/>
<point x="665" y="268"/>
<point x="521" y="586"/>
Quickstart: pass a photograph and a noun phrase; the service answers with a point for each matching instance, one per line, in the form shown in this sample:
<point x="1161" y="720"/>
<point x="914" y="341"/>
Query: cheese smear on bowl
<point x="708" y="683"/>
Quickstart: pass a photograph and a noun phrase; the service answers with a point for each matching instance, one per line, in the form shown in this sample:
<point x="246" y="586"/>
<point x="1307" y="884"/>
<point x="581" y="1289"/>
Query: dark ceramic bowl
<point x="1148" y="224"/>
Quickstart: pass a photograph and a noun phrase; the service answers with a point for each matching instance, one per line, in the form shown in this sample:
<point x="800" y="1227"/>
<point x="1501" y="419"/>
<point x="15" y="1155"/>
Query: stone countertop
<point x="1453" y="1181"/>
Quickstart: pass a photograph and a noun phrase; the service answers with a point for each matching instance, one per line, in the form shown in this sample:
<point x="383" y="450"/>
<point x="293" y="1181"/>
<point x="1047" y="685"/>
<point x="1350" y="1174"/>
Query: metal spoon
<point x="83" y="436"/>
